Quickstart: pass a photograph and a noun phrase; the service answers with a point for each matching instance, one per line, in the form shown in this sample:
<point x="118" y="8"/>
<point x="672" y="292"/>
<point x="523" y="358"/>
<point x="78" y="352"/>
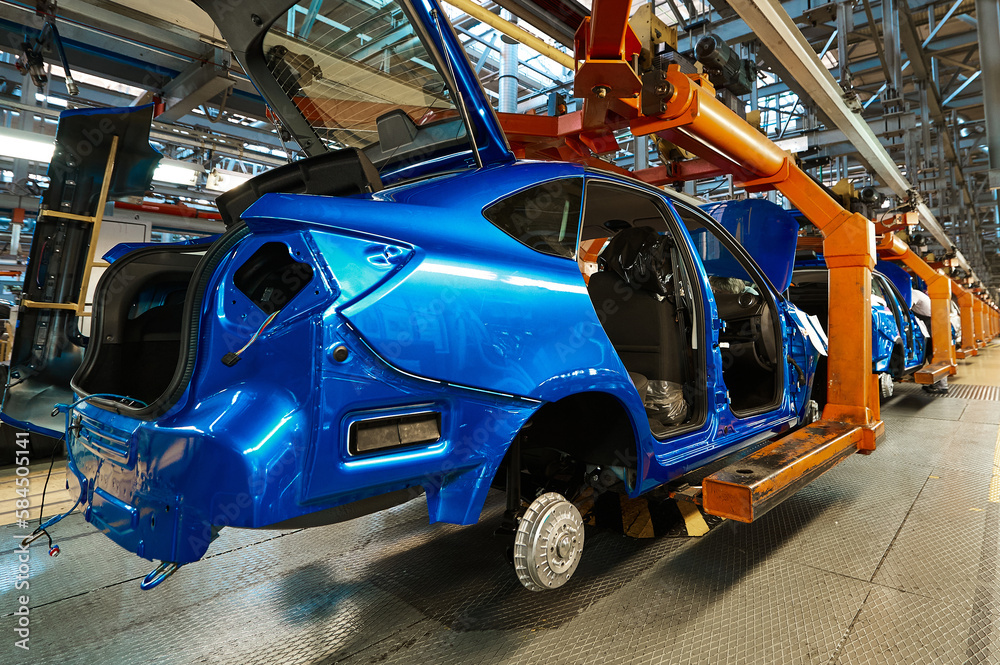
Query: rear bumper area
<point x="261" y="459"/>
<point x="161" y="489"/>
<point x="145" y="512"/>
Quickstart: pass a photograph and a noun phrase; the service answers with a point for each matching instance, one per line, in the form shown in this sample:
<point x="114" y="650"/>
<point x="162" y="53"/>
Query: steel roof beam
<point x="988" y="13"/>
<point x="772" y="25"/>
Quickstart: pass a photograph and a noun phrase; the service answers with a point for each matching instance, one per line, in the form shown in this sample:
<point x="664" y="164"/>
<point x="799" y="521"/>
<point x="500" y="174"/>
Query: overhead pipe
<point x="480" y="13"/>
<point x="508" y="71"/>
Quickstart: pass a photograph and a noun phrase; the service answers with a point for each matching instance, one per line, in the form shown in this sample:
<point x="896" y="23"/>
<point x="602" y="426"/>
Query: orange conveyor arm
<point x="695" y="120"/>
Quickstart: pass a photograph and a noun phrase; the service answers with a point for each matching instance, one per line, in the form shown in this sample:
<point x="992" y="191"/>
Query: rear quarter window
<point x="545" y="217"/>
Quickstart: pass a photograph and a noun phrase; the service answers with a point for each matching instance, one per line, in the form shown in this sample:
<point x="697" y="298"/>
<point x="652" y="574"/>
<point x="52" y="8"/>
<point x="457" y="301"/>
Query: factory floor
<point x="981" y="370"/>
<point x="888" y="558"/>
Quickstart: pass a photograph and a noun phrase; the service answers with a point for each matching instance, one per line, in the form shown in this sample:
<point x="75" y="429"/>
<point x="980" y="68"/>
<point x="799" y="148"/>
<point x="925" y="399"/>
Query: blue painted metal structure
<point x="766" y="230"/>
<point x="895" y="329"/>
<point x="439" y="311"/>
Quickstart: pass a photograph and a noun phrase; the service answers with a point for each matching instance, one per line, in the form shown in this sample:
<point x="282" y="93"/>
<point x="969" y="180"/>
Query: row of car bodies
<point x="396" y="310"/>
<point x="899" y="337"/>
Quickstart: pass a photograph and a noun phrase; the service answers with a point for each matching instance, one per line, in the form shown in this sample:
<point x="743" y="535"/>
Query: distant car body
<point x="899" y="338"/>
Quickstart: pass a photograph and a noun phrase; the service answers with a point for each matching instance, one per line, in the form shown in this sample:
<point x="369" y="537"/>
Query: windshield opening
<point x="362" y="76"/>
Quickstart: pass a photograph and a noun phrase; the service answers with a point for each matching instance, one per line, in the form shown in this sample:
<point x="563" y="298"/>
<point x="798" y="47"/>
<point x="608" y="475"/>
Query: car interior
<point x="643" y="296"/>
<point x="750" y="336"/>
<point x="639" y="292"/>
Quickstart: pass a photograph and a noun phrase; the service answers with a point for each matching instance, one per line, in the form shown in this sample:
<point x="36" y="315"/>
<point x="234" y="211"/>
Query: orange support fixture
<point x="694" y="119"/>
<point x="977" y="309"/>
<point x="965" y="306"/>
<point x="939" y="290"/>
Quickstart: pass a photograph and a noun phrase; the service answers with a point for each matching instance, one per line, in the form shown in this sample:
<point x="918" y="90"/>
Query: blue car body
<point x="456" y="318"/>
<point x="407" y="313"/>
<point x="910" y="334"/>
<point x="899" y="339"/>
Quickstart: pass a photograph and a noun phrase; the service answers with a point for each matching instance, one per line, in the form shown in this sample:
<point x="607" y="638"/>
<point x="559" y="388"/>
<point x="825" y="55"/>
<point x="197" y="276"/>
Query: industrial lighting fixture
<point x="19" y="144"/>
<point x="176" y="172"/>
<point x="221" y="180"/>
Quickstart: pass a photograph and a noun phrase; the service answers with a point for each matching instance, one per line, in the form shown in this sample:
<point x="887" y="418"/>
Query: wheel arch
<point x="594" y="427"/>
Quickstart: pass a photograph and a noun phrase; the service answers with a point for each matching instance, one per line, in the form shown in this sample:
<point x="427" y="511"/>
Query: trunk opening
<point x="145" y="330"/>
<point x="136" y="340"/>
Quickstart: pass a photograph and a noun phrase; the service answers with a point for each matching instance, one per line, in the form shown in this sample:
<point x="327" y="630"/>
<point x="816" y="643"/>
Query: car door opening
<point x="642" y="297"/>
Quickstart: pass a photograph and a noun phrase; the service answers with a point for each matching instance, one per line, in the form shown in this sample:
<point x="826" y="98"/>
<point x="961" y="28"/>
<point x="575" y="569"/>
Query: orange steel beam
<point x="688" y="169"/>
<point x="607" y="30"/>
<point x="939" y="291"/>
<point x="695" y="120"/>
<point x="762" y="479"/>
<point x="606" y="80"/>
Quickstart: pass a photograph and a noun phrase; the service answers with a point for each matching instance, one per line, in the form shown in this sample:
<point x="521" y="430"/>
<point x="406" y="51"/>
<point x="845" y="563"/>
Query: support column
<point x="640" y="148"/>
<point x="977" y="319"/>
<point x="16" y="223"/>
<point x="852" y="395"/>
<point x="965" y="305"/>
<point x="845" y="26"/>
<point x="893" y="54"/>
<point x="508" y="71"/>
<point x="982" y="322"/>
<point x="939" y="291"/>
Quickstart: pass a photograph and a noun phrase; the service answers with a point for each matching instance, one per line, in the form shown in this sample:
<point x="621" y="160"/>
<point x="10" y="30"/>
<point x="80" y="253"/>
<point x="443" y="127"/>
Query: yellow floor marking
<point x="935" y="477"/>
<point x="976" y="510"/>
<point x="693" y="519"/>
<point x="636" y="519"/>
<point x="995" y="480"/>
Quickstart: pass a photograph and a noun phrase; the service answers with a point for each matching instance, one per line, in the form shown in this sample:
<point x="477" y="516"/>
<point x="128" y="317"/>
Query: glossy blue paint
<point x="885" y="333"/>
<point x="894" y="327"/>
<point x="899" y="278"/>
<point x="439" y="311"/>
<point x="123" y="248"/>
<point x="910" y="338"/>
<point x="766" y="230"/>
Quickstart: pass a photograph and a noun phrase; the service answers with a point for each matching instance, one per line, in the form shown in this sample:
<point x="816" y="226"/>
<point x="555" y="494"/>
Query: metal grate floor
<point x="890" y="558"/>
<point x="955" y="390"/>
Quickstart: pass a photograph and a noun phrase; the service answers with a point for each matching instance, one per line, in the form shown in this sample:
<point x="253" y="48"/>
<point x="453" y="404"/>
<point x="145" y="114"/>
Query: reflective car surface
<point x="392" y="313"/>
